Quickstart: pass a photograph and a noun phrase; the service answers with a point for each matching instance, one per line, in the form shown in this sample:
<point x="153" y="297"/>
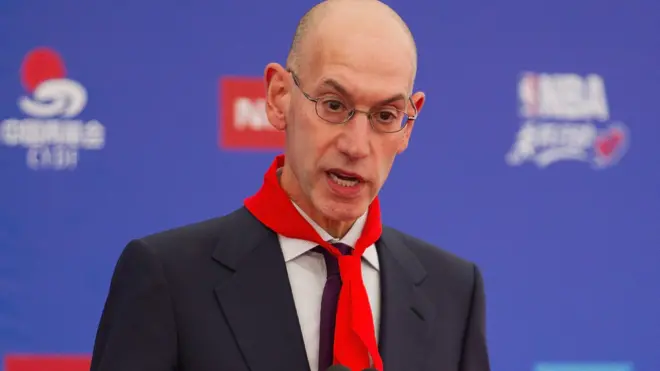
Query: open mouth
<point x="344" y="179"/>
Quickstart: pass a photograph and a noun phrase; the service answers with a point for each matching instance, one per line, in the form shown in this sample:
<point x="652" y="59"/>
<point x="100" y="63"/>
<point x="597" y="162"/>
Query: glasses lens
<point x="391" y="117"/>
<point x="332" y="109"/>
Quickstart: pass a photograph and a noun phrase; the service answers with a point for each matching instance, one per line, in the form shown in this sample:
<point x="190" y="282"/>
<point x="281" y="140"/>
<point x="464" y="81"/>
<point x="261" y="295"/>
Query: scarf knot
<point x="350" y="269"/>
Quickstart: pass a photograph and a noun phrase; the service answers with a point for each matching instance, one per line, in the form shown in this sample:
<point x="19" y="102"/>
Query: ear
<point x="277" y="94"/>
<point x="418" y="100"/>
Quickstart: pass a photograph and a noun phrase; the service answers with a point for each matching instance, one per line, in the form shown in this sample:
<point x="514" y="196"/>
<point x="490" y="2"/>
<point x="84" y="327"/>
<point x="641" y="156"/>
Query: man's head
<point x="346" y="54"/>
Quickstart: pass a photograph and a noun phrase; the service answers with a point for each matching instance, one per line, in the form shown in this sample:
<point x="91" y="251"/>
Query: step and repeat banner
<point x="536" y="156"/>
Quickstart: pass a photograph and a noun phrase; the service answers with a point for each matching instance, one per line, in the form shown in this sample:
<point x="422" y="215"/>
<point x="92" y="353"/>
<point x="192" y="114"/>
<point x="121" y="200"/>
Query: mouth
<point x="344" y="179"/>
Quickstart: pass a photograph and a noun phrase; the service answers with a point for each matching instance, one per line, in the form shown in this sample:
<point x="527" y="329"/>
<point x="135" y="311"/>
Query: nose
<point x="355" y="139"/>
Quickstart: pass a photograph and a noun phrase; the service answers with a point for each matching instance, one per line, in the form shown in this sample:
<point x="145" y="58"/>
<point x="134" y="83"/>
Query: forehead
<point x="370" y="65"/>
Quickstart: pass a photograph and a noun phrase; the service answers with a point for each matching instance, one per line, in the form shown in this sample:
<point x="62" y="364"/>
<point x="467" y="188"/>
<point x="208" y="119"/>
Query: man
<point x="304" y="275"/>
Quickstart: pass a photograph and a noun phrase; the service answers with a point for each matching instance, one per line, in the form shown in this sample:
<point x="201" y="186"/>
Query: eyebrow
<point x="338" y="87"/>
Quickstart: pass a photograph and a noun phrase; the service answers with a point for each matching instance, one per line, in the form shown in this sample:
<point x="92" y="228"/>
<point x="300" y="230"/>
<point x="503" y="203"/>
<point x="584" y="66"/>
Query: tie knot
<point x="343" y="248"/>
<point x="331" y="262"/>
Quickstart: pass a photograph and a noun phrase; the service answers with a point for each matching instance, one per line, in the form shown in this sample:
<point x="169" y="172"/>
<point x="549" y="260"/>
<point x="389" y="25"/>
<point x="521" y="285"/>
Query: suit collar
<point x="407" y="314"/>
<point x="259" y="280"/>
<point x="256" y="298"/>
<point x="398" y="250"/>
<point x="235" y="246"/>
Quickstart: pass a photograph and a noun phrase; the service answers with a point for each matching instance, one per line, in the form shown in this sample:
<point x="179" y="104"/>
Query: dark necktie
<point x="329" y="304"/>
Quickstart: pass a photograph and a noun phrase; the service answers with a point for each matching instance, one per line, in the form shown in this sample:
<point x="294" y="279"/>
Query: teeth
<point x="343" y="182"/>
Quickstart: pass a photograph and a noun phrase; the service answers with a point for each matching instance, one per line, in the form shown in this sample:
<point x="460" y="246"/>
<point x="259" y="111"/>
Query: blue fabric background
<point x="570" y="253"/>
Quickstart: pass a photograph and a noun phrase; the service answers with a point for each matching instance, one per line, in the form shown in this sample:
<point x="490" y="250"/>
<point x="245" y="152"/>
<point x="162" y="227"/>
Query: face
<point x="336" y="170"/>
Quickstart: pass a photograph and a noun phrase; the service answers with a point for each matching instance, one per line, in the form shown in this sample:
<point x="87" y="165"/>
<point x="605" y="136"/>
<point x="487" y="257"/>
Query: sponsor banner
<point x="47" y="363"/>
<point x="243" y="123"/>
<point x="53" y="129"/>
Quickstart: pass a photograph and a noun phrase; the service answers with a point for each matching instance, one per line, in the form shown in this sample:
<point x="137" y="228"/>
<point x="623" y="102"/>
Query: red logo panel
<point x="243" y="122"/>
<point x="47" y="363"/>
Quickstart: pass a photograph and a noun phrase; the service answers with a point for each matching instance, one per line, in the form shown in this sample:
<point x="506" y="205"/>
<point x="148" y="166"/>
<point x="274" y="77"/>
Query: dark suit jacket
<point x="215" y="296"/>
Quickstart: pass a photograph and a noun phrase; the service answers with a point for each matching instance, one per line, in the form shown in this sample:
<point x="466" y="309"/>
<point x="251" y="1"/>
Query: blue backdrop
<point x="536" y="156"/>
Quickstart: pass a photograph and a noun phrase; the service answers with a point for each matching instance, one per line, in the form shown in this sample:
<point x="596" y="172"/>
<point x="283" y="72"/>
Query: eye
<point x="388" y="116"/>
<point x="332" y="105"/>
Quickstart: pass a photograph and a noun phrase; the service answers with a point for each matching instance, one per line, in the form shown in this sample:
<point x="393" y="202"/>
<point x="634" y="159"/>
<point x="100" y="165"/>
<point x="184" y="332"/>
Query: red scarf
<point x="355" y="338"/>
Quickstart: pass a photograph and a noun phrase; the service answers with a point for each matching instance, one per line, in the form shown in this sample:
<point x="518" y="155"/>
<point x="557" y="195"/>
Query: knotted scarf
<point x="355" y="338"/>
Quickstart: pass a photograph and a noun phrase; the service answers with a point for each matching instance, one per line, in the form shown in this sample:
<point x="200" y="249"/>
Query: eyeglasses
<point x="389" y="118"/>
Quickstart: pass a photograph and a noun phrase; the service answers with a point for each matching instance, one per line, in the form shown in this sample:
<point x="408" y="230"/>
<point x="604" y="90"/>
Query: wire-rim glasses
<point x="386" y="119"/>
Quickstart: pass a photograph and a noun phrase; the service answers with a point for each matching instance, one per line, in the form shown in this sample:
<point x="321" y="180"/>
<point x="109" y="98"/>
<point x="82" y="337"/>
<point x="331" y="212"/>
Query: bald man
<point x="304" y="275"/>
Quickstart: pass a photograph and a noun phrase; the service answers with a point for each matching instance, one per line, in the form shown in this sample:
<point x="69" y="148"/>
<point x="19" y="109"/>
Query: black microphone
<point x="338" y="368"/>
<point x="370" y="369"/>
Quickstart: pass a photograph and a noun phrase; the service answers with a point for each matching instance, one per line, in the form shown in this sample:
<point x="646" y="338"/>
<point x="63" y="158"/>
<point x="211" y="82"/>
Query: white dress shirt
<point x="307" y="275"/>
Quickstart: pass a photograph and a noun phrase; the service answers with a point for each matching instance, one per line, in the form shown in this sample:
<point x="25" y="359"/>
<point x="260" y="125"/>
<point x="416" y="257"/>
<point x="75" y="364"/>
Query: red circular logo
<point x="39" y="65"/>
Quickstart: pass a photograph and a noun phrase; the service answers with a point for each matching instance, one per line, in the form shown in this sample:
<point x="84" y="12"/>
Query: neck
<point x="290" y="185"/>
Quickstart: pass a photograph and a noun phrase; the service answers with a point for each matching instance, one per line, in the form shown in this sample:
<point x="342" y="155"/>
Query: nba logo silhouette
<point x="243" y="122"/>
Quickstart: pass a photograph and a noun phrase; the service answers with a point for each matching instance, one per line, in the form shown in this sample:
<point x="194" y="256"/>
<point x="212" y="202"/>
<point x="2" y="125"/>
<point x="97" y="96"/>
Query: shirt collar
<point x="296" y="247"/>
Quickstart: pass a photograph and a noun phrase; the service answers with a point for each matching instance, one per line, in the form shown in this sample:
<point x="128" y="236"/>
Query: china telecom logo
<point x="51" y="130"/>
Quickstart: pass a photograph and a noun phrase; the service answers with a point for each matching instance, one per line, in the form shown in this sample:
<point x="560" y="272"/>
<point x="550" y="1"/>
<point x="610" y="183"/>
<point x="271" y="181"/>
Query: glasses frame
<point x="353" y="110"/>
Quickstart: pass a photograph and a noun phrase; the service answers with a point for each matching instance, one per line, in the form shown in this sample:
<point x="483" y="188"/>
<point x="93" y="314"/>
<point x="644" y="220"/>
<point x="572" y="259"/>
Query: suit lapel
<point x="407" y="315"/>
<point x="257" y="300"/>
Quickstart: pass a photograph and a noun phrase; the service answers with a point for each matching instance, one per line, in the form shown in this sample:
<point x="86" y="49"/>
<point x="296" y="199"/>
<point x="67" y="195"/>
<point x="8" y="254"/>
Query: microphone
<point x="370" y="369"/>
<point x="338" y="368"/>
